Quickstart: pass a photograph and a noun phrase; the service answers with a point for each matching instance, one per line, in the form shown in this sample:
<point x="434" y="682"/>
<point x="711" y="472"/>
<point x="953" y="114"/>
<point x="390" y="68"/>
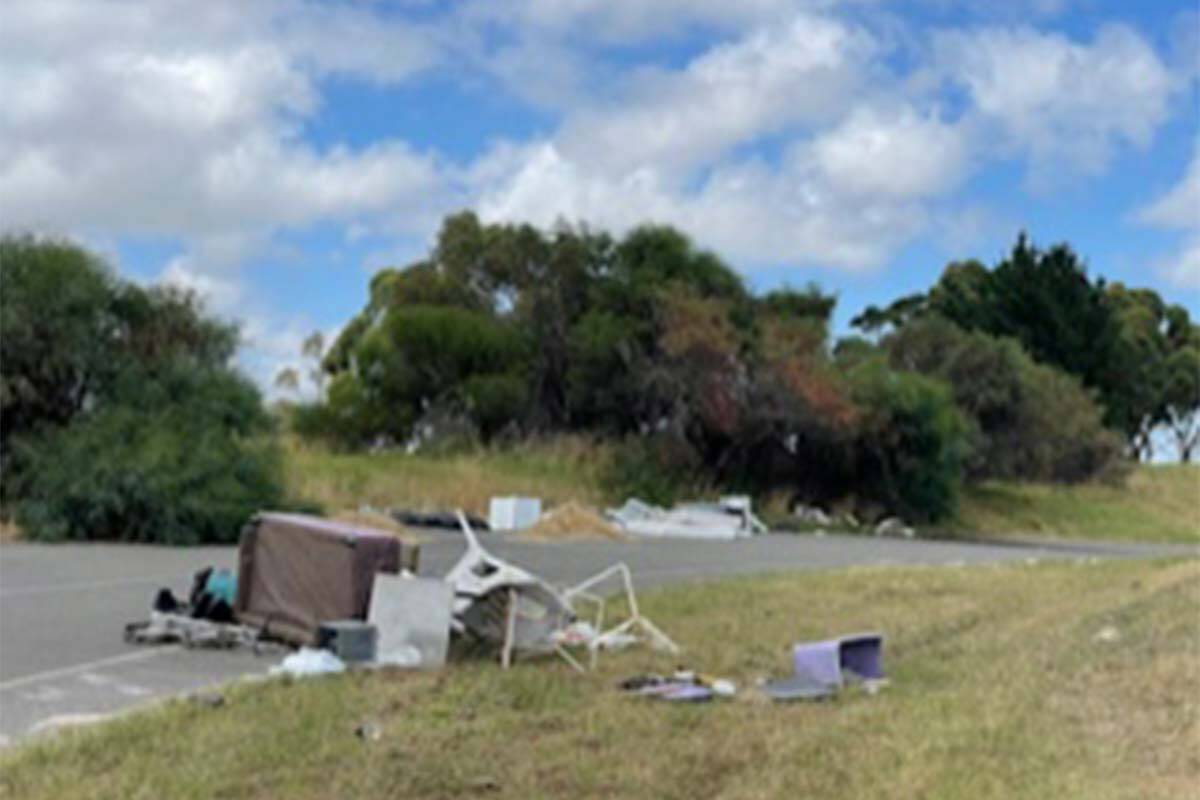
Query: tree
<point x="910" y="441"/>
<point x="121" y="414"/>
<point x="1109" y="337"/>
<point x="1028" y="421"/>
<point x="1182" y="397"/>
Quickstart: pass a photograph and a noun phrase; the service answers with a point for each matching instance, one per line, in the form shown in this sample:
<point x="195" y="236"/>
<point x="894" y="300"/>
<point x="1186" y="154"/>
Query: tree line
<point x="122" y="414"/>
<point x="1029" y="369"/>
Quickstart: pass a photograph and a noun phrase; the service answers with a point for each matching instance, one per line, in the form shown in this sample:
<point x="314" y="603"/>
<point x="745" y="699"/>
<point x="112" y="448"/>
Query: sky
<point x="272" y="155"/>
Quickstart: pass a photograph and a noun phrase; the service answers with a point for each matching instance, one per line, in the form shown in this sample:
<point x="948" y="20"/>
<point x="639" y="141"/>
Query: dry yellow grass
<point x="378" y="521"/>
<point x="1001" y="688"/>
<point x="573" y="521"/>
<point x="557" y="471"/>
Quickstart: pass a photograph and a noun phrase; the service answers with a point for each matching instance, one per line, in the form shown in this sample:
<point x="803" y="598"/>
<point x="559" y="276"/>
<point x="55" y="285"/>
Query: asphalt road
<point x="62" y="607"/>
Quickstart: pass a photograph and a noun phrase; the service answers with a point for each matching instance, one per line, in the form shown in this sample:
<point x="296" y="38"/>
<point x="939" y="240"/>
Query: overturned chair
<point x="498" y="603"/>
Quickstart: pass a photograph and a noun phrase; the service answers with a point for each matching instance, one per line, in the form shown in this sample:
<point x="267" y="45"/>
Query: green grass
<point x="1000" y="689"/>
<point x="1156" y="503"/>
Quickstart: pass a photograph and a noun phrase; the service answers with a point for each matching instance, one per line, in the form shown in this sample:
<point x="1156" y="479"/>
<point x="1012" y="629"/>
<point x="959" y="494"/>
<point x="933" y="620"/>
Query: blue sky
<point x="272" y="155"/>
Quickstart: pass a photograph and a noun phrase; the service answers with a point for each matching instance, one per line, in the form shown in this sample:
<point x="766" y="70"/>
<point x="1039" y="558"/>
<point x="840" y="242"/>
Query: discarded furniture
<point x="634" y="624"/>
<point x="297" y="571"/>
<point x="500" y="603"/>
<point x="412" y="616"/>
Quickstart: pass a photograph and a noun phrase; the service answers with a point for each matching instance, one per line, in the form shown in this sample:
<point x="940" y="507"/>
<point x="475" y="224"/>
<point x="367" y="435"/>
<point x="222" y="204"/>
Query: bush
<point x="184" y="463"/>
<point x="910" y="444"/>
<point x="658" y="469"/>
<point x="1028" y="421"/>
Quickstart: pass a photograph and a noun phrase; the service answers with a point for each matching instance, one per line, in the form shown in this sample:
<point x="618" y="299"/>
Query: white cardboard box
<point x="513" y="513"/>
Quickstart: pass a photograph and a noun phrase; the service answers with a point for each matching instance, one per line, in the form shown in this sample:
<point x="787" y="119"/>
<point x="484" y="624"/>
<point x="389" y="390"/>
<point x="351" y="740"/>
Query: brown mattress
<point x="297" y="571"/>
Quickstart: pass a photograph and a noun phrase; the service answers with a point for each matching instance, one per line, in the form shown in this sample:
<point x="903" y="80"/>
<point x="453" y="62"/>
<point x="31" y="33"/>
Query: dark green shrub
<point x="1028" y="421"/>
<point x="658" y="469"/>
<point x="910" y="444"/>
<point x="186" y="461"/>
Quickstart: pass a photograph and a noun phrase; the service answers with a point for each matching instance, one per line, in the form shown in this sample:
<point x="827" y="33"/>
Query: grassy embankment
<point x="1157" y="503"/>
<point x="1064" y="680"/>
<point x="557" y="471"/>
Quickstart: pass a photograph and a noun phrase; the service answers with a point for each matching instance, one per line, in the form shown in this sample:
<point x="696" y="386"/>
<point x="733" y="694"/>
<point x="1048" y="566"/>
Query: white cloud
<point x="799" y="135"/>
<point x="631" y="21"/>
<point x="1064" y="103"/>
<point x="805" y="72"/>
<point x="218" y="294"/>
<point x="1183" y="269"/>
<point x="748" y="210"/>
<point x="898" y="155"/>
<point x="1179" y="209"/>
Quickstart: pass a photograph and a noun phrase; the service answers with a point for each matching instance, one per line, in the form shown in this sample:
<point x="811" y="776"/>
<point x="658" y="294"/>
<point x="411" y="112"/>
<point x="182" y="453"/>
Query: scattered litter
<point x="368" y="732"/>
<point x="351" y="640"/>
<point x="179" y="629"/>
<point x="572" y="520"/>
<point x="298" y="571"/>
<point x="731" y="518"/>
<point x="684" y="686"/>
<point x="513" y="513"/>
<point x="894" y="526"/>
<point x="797" y="688"/>
<point x="207" y="699"/>
<point x="1108" y="634"/>
<point x="308" y="661"/>
<point x="820" y="669"/>
<point x="413" y="617"/>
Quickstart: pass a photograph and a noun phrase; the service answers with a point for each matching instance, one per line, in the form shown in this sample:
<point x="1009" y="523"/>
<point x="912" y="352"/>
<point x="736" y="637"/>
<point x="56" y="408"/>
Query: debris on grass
<point x="309" y="661"/>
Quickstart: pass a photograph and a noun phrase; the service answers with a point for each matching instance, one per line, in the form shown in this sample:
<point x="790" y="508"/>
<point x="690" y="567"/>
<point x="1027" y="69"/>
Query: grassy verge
<point x="557" y="471"/>
<point x="1001" y="689"/>
<point x="1157" y="503"/>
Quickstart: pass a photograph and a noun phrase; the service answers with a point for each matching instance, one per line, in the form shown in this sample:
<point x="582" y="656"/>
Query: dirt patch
<point x="572" y="520"/>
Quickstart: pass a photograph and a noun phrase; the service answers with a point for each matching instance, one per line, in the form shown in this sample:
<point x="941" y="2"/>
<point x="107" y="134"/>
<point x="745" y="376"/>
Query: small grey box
<point x="351" y="640"/>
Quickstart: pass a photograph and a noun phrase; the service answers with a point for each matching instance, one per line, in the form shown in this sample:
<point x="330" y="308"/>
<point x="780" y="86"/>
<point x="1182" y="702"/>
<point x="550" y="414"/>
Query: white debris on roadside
<point x="309" y="661"/>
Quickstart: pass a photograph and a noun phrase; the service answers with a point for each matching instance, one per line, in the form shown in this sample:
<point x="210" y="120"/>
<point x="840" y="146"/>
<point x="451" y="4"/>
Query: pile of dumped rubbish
<point x="348" y="594"/>
<point x="343" y="595"/>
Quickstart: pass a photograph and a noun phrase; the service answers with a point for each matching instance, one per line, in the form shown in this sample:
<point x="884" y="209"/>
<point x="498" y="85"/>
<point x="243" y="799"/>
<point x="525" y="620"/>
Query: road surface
<point x="62" y="607"/>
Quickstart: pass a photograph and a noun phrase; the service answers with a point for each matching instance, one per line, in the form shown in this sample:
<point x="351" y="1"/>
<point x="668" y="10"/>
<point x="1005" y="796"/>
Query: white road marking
<point x="37" y="677"/>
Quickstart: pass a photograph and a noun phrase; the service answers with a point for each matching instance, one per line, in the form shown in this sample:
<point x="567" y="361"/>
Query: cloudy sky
<point x="274" y="154"/>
